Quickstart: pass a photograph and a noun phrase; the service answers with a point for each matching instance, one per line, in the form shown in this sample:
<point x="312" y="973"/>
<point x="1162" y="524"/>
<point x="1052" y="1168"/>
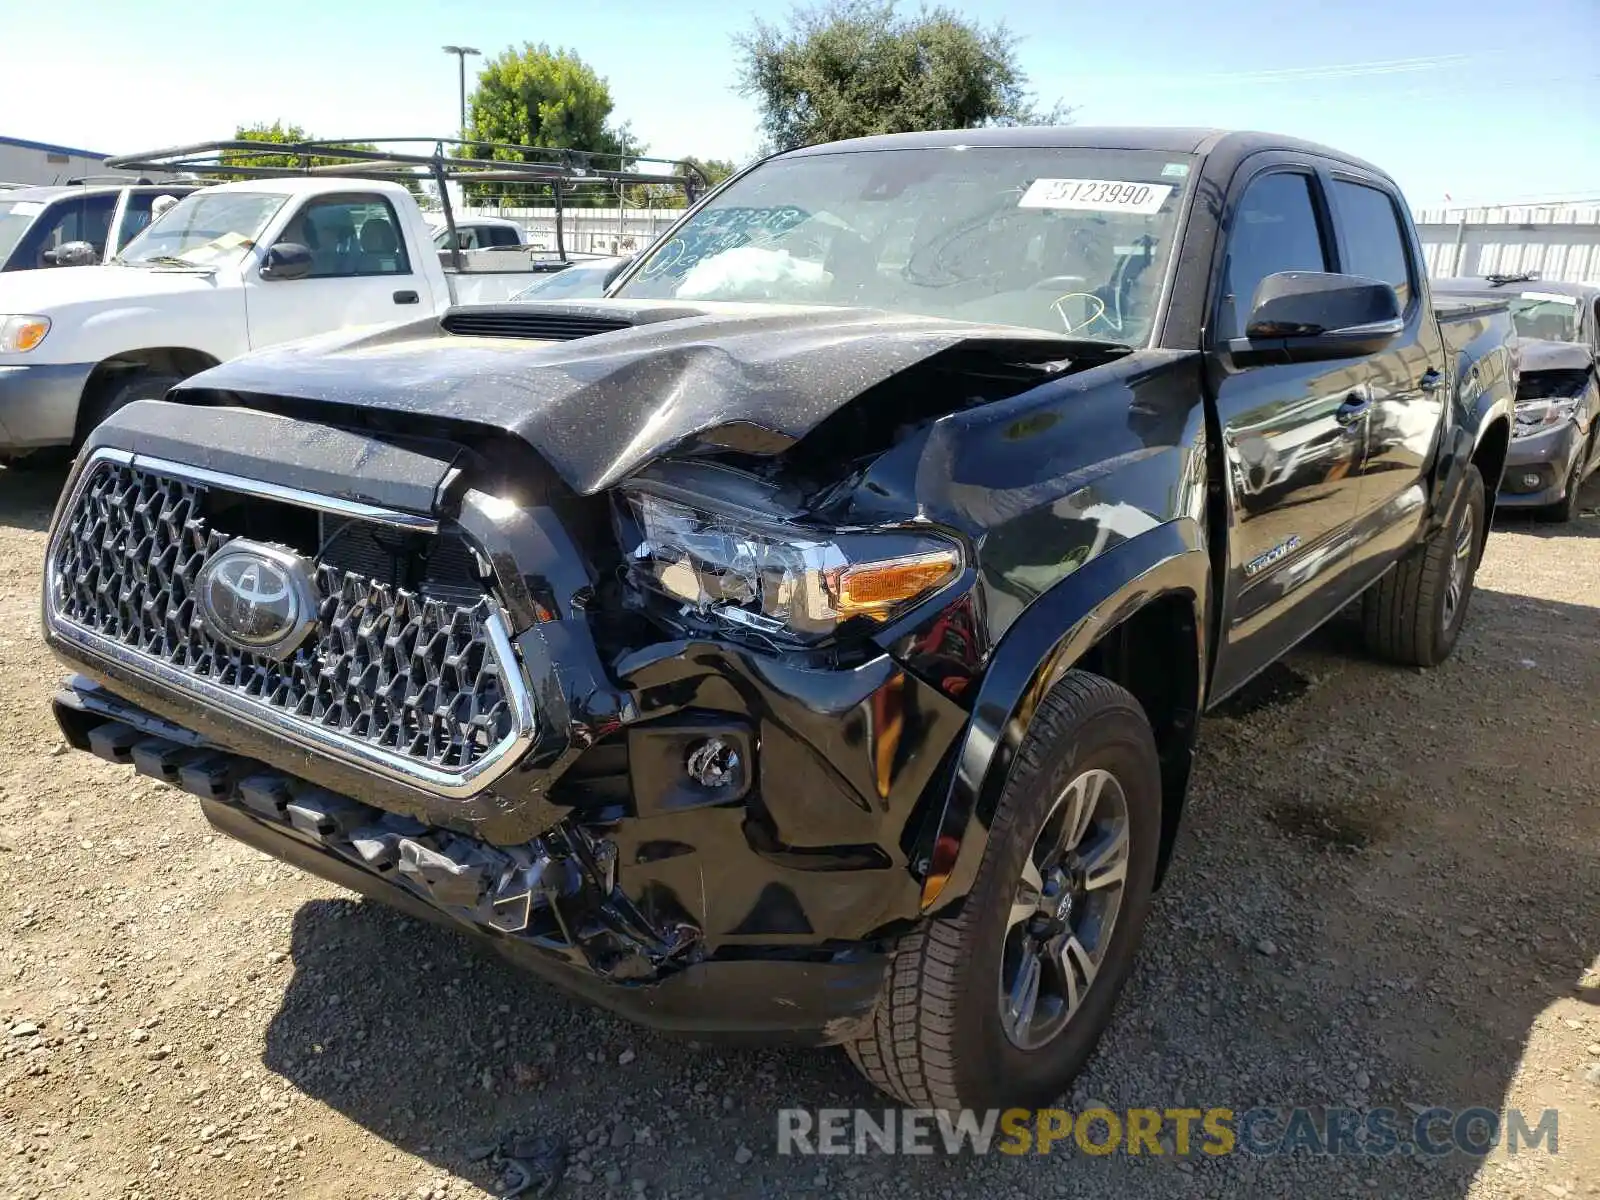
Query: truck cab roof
<point x="44" y="193"/>
<point x="312" y="185"/>
<point x="1201" y="141"/>
<point x="1508" y="285"/>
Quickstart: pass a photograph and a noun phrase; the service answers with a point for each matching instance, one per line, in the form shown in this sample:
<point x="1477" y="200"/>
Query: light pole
<point x="461" y="53"/>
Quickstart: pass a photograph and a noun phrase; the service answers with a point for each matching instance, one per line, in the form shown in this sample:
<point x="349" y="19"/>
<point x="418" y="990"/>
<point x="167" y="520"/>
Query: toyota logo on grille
<point x="257" y="598"/>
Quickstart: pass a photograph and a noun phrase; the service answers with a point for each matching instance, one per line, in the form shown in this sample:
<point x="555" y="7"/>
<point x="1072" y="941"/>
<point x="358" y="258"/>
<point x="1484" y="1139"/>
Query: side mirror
<point x="286" y="260"/>
<point x="72" y="254"/>
<point x="1311" y="316"/>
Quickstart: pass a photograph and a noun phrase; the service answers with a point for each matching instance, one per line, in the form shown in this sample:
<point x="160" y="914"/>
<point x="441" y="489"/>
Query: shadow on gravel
<point x="1385" y="882"/>
<point x="437" y="1046"/>
<point x="28" y="496"/>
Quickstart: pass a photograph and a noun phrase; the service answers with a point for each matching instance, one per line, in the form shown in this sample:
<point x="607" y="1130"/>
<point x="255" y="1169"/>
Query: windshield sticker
<point x="1550" y="298"/>
<point x="1175" y="171"/>
<point x="1096" y="195"/>
<point x="722" y="230"/>
<point x="27" y="208"/>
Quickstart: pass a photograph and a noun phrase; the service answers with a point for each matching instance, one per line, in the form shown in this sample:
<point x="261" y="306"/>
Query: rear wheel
<point x="1414" y="614"/>
<point x="113" y="392"/>
<point x="1003" y="1004"/>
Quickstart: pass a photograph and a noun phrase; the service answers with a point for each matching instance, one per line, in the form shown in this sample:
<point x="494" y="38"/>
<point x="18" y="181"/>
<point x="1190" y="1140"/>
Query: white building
<point x="25" y="162"/>
<point x="1555" y="241"/>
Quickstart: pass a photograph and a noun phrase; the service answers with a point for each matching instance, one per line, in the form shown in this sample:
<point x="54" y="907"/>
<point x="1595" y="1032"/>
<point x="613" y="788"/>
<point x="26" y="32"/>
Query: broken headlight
<point x="1547" y="398"/>
<point x="788" y="583"/>
<point x="1536" y="416"/>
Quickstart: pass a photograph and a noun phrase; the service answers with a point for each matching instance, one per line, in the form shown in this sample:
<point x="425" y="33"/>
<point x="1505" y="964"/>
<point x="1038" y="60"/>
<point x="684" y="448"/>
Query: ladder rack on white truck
<point x="320" y="237"/>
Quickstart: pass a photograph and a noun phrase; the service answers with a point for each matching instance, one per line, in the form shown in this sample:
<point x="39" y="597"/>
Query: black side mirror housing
<point x="1312" y="316"/>
<point x="72" y="254"/>
<point x="286" y="260"/>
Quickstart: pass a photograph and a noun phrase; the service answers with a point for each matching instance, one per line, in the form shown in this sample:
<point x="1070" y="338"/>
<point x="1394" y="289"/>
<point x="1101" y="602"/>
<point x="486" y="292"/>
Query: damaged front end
<point x="649" y="741"/>
<point x="556" y="892"/>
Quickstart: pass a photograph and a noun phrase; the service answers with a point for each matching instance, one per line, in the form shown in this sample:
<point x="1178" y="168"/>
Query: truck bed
<point x="1472" y="328"/>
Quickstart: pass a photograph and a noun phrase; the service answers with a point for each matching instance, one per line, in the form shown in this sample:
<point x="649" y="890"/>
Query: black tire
<point x="112" y="392"/>
<point x="937" y="1038"/>
<point x="52" y="458"/>
<point x="1413" y="615"/>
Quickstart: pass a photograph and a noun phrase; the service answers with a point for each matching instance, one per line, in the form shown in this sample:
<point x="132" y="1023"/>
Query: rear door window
<point x="1373" y="242"/>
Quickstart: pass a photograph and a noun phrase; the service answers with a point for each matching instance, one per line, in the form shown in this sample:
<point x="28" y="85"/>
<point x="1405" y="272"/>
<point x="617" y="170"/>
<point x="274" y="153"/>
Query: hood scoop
<point x="521" y="321"/>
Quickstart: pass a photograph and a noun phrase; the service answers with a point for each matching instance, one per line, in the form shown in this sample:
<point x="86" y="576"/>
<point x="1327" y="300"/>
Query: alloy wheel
<point x="1455" y="589"/>
<point x="1064" y="909"/>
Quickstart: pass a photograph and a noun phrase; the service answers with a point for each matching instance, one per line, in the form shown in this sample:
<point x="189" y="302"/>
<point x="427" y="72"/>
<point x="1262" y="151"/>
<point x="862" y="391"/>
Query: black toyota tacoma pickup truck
<point x="810" y="637"/>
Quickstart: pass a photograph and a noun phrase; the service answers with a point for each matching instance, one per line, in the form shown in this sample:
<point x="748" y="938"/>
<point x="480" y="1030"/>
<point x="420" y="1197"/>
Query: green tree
<point x="279" y="134"/>
<point x="276" y="134"/>
<point x="714" y="169"/>
<point x="671" y="195"/>
<point x="545" y="98"/>
<point x="853" y="68"/>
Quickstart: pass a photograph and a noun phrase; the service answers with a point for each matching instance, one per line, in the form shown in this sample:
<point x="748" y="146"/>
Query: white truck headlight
<point x="788" y="584"/>
<point x="18" y="335"/>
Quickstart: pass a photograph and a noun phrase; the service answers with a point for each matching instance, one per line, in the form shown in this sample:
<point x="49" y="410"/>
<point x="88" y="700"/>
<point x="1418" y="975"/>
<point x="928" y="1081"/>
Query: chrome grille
<point x="389" y="673"/>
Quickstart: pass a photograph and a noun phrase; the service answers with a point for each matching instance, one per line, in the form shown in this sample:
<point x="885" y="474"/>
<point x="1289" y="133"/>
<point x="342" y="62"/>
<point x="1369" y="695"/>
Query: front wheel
<point x="1002" y="1005"/>
<point x="1414" y="614"/>
<point x="117" y="391"/>
<point x="1565" y="509"/>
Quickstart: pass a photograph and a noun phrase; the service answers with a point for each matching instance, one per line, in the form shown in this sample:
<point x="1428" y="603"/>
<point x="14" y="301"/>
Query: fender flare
<point x="1469" y="418"/>
<point x="1052" y="634"/>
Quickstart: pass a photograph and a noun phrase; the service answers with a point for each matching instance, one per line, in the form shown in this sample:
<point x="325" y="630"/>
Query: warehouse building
<point x="26" y="162"/>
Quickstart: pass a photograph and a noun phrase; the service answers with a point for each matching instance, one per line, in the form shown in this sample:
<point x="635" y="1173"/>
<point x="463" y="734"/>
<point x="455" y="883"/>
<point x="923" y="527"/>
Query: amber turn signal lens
<point x="21" y="334"/>
<point x="875" y="589"/>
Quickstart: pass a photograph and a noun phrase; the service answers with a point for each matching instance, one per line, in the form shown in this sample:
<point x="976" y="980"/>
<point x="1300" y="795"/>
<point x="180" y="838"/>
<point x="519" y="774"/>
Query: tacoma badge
<point x="257" y="598"/>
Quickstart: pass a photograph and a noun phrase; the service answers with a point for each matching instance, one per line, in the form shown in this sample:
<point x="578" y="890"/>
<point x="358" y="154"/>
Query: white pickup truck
<point x="228" y="269"/>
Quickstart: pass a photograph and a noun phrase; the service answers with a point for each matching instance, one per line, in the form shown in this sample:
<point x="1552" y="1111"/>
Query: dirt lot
<point x="1385" y="895"/>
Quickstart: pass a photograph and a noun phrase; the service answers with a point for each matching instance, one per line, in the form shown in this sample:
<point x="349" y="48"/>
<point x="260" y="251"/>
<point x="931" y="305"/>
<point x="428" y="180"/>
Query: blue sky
<point x="1483" y="101"/>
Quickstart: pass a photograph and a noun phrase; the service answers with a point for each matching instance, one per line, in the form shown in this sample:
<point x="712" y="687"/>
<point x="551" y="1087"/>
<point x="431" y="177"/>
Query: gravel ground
<point x="1384" y="894"/>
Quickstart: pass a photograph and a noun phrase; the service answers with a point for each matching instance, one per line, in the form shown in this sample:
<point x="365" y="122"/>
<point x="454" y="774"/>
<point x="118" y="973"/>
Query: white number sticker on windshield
<point x="26" y="208"/>
<point x="1097" y="195"/>
<point x="1550" y="298"/>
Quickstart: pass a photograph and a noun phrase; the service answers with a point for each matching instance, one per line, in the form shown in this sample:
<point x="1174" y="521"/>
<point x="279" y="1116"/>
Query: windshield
<point x="15" y="217"/>
<point x="205" y="228"/>
<point x="1067" y="240"/>
<point x="1547" y="317"/>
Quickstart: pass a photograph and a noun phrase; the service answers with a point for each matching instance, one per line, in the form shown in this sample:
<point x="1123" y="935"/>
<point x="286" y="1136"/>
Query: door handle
<point x="1432" y="380"/>
<point x="1354" y="408"/>
<point x="405" y="297"/>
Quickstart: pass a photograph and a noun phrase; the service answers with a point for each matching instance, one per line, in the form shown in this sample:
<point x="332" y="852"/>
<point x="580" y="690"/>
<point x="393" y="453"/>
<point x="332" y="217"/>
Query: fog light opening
<point x="713" y="763"/>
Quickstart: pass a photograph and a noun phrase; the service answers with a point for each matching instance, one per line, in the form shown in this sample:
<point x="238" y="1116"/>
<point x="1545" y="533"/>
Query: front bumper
<point x="39" y="404"/>
<point x="1537" y="467"/>
<point x="595" y="853"/>
<point x="815" y="998"/>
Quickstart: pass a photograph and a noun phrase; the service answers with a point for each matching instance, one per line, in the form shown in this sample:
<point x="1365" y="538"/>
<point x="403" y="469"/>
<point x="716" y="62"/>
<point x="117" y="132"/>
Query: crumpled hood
<point x="53" y="290"/>
<point x="1536" y="355"/>
<point x="754" y="377"/>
